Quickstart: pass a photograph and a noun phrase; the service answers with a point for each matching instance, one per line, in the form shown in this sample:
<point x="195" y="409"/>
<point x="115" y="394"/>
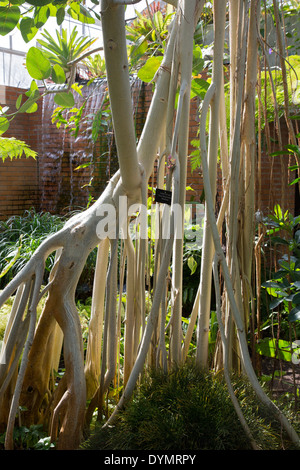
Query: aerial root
<point x="32" y="309"/>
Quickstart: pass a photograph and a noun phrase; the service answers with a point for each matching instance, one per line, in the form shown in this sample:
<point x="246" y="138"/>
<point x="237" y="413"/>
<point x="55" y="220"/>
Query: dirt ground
<point x="289" y="377"/>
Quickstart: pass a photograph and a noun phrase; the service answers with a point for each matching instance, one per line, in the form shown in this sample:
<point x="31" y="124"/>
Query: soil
<point x="287" y="381"/>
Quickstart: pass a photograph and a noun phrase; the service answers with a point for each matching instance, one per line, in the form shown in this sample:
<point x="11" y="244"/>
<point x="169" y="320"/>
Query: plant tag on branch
<point x="161" y="195"/>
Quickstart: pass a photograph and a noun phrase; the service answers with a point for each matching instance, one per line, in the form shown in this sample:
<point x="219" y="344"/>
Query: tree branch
<point x="227" y="279"/>
<point x="114" y="41"/>
<point x="86" y="54"/>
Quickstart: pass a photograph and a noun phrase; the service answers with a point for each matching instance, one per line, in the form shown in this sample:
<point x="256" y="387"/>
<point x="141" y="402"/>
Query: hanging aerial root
<point x="32" y="312"/>
<point x="221" y="258"/>
<point x="225" y="361"/>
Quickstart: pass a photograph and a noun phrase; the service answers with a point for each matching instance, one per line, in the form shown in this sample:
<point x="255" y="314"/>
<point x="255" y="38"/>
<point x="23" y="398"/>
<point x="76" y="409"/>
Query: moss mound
<point x="188" y="409"/>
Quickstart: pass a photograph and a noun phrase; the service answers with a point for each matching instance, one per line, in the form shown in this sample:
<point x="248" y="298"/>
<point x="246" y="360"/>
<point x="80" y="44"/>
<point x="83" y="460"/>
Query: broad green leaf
<point x="297" y="234"/>
<point x="294" y="314"/>
<point x="274" y="303"/>
<point x="60" y="16"/>
<point x="279" y="240"/>
<point x="65" y="99"/>
<point x="138" y="49"/>
<point x="33" y="90"/>
<point x="268" y="284"/>
<point x="294" y="149"/>
<point x="37" y="64"/>
<point x="148" y="71"/>
<point x="198" y="62"/>
<point x="53" y="9"/>
<point x="192" y="264"/>
<point x="9" y="17"/>
<point x="33" y="94"/>
<point x="58" y="74"/>
<point x="80" y="13"/>
<point x="199" y="87"/>
<point x="19" y="101"/>
<point x="41" y="15"/>
<point x="38" y="3"/>
<point x="32" y="109"/>
<point x="296" y="298"/>
<point x="4" y="124"/>
<point x="16" y="2"/>
<point x="270" y="347"/>
<point x="28" y="29"/>
<point x="28" y="106"/>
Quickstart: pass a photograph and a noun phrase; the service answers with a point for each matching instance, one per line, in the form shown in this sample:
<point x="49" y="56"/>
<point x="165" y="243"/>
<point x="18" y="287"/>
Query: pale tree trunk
<point x="94" y="347"/>
<point x="250" y="164"/>
<point x="64" y="408"/>
<point x="237" y="316"/>
<point x="208" y="247"/>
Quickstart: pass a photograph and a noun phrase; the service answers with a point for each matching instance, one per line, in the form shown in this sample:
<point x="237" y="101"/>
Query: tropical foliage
<point x="14" y="148"/>
<point x="130" y="330"/>
<point x="64" y="50"/>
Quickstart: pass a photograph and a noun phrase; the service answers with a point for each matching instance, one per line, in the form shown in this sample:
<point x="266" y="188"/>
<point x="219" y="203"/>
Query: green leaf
<point x="199" y="87"/>
<point x="41" y="15"/>
<point x="192" y="264"/>
<point x="271" y="348"/>
<point x="9" y="17"/>
<point x="274" y="303"/>
<point x="37" y="64"/>
<point x="30" y="105"/>
<point x="33" y="94"/>
<point x="294" y="314"/>
<point x="280" y="152"/>
<point x="15" y="2"/>
<point x="12" y="262"/>
<point x="294" y="181"/>
<point x="198" y="62"/>
<point x="148" y="71"/>
<point x="268" y="284"/>
<point x="4" y="125"/>
<point x="38" y="3"/>
<point x="296" y="298"/>
<point x="27" y="107"/>
<point x="293" y="167"/>
<point x="32" y="108"/>
<point x="138" y="49"/>
<point x="19" y="101"/>
<point x="33" y="91"/>
<point x="65" y="99"/>
<point x="294" y="149"/>
<point x="13" y="148"/>
<point x="279" y="240"/>
<point x="58" y="74"/>
<point x="60" y="16"/>
<point x="80" y="13"/>
<point x="28" y="29"/>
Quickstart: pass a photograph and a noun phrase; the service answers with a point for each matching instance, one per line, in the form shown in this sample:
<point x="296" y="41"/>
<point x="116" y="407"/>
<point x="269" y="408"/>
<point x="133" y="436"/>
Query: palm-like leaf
<point x="65" y="49"/>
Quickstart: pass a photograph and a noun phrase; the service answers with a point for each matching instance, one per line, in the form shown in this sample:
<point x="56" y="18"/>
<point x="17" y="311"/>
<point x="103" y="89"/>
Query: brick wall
<point x="53" y="182"/>
<point x="18" y="178"/>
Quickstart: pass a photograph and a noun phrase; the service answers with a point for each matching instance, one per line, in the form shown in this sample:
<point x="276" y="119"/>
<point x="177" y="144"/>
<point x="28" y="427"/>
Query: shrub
<point x="20" y="237"/>
<point x="188" y="409"/>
